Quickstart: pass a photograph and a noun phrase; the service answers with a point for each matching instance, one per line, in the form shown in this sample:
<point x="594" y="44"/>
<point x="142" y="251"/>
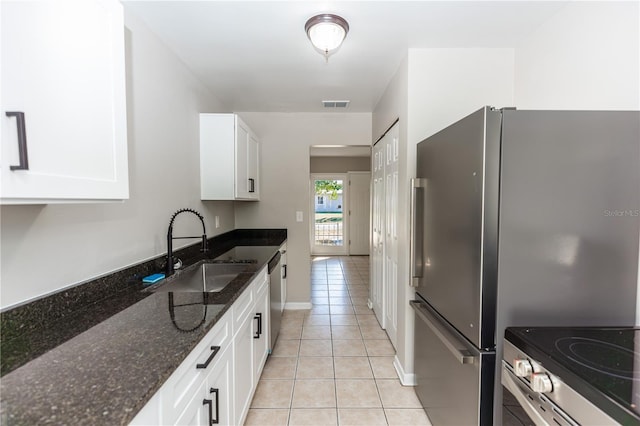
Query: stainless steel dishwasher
<point x="275" y="289"/>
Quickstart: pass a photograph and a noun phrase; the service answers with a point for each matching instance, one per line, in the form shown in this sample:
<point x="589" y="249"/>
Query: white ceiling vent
<point x="335" y="104"/>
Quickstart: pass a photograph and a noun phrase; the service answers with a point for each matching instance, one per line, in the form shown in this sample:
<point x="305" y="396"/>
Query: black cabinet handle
<point x="209" y="402"/>
<point x="217" y="419"/>
<point x="22" y="140"/>
<point x="284" y="271"/>
<point x="252" y="185"/>
<point x="259" y="332"/>
<point x="214" y="350"/>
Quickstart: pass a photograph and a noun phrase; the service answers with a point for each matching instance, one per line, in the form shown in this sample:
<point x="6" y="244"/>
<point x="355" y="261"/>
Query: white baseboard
<point x="405" y="378"/>
<point x="297" y="305"/>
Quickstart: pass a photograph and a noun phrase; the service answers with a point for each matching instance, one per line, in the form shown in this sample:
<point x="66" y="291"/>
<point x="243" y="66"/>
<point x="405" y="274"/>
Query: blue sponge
<point x="151" y="279"/>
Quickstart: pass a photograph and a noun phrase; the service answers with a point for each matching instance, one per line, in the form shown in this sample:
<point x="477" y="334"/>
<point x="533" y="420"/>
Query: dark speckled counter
<point x="107" y="373"/>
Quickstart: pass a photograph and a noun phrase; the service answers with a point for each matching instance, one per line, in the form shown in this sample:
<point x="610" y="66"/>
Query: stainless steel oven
<point x="574" y="376"/>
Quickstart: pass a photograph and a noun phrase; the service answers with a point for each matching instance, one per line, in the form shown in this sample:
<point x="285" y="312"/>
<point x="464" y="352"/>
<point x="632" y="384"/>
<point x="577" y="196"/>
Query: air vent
<point x="335" y="104"/>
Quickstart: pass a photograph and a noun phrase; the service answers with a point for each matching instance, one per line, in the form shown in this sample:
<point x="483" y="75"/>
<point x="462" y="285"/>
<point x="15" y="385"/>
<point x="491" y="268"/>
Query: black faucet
<point x="170" y="238"/>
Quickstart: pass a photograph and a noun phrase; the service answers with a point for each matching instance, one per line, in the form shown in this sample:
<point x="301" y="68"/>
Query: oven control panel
<point x="522" y="367"/>
<point x="545" y="398"/>
<point x="541" y="383"/>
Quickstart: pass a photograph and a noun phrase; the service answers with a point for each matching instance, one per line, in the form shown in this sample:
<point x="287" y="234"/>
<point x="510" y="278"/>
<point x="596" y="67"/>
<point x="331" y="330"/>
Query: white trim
<point x="405" y="378"/>
<point x="297" y="305"/>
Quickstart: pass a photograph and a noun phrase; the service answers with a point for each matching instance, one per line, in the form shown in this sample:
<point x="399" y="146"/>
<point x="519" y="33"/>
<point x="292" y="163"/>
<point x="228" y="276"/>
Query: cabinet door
<point x="243" y="378"/>
<point x="219" y="390"/>
<point x="242" y="152"/>
<point x="212" y="400"/>
<point x="283" y="282"/>
<point x="253" y="154"/>
<point x="63" y="69"/>
<point x="261" y="333"/>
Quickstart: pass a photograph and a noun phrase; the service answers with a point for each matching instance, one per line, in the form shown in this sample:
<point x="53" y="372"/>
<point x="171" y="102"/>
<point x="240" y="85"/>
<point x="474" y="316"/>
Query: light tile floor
<point x="333" y="364"/>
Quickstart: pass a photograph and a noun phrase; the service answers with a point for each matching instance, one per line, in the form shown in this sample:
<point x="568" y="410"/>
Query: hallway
<point x="333" y="364"/>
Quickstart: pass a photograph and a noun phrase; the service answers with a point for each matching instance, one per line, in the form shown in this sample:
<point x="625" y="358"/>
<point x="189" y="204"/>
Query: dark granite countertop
<point x="107" y="373"/>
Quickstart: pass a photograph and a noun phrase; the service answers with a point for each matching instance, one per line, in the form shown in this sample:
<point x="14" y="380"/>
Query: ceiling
<point x="255" y="55"/>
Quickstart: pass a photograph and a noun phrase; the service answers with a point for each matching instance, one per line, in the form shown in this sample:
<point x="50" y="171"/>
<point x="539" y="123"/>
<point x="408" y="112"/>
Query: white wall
<point x="446" y="85"/>
<point x="285" y="139"/>
<point x="47" y="248"/>
<point x="586" y="56"/>
<point x="340" y="164"/>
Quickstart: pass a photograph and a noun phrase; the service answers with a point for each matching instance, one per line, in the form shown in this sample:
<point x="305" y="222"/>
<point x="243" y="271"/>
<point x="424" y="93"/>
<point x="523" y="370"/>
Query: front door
<point x="329" y="228"/>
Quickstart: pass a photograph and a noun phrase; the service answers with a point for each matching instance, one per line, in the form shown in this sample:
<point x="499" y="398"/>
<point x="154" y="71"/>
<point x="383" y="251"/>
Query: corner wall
<point x="432" y="89"/>
<point x="285" y="139"/>
<point x="46" y="248"/>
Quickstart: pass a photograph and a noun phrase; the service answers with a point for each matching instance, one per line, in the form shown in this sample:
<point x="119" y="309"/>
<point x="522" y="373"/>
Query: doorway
<point x="339" y="199"/>
<point x="329" y="226"/>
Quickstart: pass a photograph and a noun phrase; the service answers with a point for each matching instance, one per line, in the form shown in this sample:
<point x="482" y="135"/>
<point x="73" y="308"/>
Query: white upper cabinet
<point x="229" y="159"/>
<point x="63" y="135"/>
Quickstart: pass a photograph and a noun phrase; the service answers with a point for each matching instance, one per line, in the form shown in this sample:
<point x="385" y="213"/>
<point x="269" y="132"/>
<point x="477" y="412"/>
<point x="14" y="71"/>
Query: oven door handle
<point x="453" y="344"/>
<point x="514" y="386"/>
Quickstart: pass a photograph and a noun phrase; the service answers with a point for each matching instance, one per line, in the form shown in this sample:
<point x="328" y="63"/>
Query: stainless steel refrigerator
<point x="519" y="218"/>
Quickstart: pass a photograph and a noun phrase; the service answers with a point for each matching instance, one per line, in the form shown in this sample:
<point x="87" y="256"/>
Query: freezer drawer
<point x="454" y="379"/>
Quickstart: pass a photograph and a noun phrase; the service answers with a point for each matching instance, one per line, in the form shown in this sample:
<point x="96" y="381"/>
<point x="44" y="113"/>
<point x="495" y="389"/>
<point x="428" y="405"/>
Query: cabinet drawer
<point x="216" y="390"/>
<point x="242" y="307"/>
<point x="261" y="282"/>
<point x="179" y="388"/>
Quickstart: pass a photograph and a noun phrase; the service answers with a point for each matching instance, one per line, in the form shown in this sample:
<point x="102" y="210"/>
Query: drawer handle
<point x="284" y="272"/>
<point x="209" y="402"/>
<point x="22" y="140"/>
<point x="252" y="185"/>
<point x="214" y="351"/>
<point x="259" y="332"/>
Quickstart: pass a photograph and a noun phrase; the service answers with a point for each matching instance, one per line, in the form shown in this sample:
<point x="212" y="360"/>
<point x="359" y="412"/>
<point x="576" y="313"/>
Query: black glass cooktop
<point x="602" y="364"/>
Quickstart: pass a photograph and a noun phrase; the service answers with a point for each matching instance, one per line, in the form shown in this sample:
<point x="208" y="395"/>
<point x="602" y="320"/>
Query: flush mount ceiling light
<point x="326" y="32"/>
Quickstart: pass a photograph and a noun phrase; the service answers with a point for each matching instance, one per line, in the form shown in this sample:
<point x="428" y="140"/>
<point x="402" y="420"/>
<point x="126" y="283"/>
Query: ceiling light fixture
<point x="326" y="32"/>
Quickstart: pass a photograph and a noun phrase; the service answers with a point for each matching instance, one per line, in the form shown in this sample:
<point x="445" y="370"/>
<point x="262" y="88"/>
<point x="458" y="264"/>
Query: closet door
<point x="377" y="228"/>
<point x="391" y="234"/>
<point x="384" y="249"/>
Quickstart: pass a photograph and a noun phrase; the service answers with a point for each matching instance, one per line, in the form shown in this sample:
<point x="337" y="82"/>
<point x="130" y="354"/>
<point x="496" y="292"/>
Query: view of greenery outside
<point x="329" y="188"/>
<point x="328" y="224"/>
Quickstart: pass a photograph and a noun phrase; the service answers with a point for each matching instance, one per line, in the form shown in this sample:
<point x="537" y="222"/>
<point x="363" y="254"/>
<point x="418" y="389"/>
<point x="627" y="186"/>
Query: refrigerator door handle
<point x="416" y="232"/>
<point x="451" y="342"/>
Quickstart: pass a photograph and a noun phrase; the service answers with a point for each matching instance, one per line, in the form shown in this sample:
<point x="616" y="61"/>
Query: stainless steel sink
<point x="202" y="277"/>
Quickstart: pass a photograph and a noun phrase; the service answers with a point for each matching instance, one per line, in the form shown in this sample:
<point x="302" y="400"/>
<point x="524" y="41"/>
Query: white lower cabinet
<point x="261" y="333"/>
<point x="283" y="279"/>
<point x="251" y="346"/>
<point x="218" y="378"/>
<point x="213" y="400"/>
<point x="244" y="382"/>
